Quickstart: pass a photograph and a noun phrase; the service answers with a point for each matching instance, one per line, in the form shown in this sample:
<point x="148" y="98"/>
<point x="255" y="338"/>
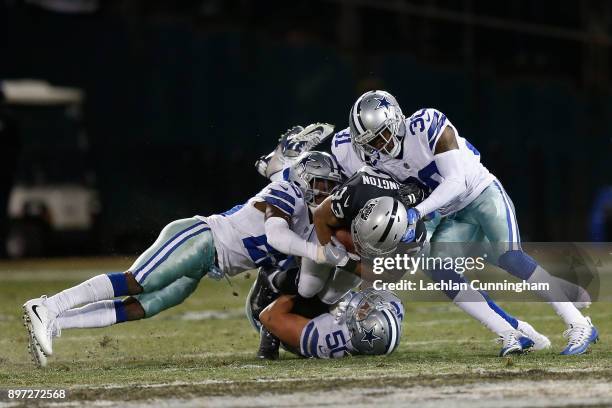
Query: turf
<point x="206" y="347"/>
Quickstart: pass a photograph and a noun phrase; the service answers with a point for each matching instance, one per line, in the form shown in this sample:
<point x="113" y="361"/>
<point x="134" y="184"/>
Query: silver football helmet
<point x="375" y="115"/>
<point x="379" y="226"/>
<point x="374" y="322"/>
<point x="316" y="173"/>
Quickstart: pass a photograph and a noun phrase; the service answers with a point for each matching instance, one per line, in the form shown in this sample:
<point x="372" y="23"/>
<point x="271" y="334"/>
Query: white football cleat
<point x="514" y="342"/>
<point x="37" y="354"/>
<point x="540" y="342"/>
<point x="580" y="337"/>
<point x="40" y="323"/>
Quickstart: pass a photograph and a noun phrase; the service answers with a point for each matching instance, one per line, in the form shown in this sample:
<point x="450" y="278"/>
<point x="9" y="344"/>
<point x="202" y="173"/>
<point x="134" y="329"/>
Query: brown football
<point x="344" y="236"/>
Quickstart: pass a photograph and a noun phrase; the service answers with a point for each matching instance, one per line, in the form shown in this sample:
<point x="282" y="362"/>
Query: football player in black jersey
<point x="339" y="210"/>
<point x="342" y="207"/>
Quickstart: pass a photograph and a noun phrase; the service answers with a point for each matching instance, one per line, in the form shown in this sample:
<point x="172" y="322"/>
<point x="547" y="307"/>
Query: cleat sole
<point x="32" y="342"/>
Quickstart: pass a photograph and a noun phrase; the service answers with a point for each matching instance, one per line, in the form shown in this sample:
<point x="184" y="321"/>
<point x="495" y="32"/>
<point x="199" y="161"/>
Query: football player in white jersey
<point x="515" y="335"/>
<point x="368" y="322"/>
<point x="269" y="230"/>
<point x="382" y="210"/>
<point x="472" y="202"/>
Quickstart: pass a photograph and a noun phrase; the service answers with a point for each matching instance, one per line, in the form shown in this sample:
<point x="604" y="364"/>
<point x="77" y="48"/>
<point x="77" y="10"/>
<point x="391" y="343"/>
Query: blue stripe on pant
<point x="161" y="248"/>
<point x="171" y="249"/>
<point x="170" y="270"/>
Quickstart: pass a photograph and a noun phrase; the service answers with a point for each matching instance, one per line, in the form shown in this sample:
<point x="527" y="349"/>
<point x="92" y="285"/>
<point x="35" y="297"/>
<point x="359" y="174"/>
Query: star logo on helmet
<point x="382" y="102"/>
<point x="369" y="337"/>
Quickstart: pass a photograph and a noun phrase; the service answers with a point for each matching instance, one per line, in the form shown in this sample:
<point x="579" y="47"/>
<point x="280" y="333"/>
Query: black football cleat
<point x="268" y="345"/>
<point x="262" y="293"/>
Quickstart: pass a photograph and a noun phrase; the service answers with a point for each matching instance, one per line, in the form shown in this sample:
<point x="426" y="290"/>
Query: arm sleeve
<point x="450" y="168"/>
<point x="288" y="242"/>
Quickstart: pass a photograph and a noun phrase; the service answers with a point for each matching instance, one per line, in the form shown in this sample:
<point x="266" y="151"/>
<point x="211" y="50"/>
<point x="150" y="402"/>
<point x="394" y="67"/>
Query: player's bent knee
<point x="518" y="263"/>
<point x="269" y="318"/>
<point x="309" y="286"/>
<point x="266" y="314"/>
<point x="272" y="316"/>
<point x="271" y="312"/>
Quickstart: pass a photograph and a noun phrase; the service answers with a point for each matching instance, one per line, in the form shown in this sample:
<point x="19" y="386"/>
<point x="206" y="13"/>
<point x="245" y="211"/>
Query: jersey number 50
<point x="339" y="342"/>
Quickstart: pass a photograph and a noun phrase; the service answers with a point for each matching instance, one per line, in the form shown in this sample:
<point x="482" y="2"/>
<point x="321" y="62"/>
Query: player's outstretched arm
<point x="283" y="239"/>
<point x="449" y="165"/>
<point x="280" y="236"/>
<point x="279" y="320"/>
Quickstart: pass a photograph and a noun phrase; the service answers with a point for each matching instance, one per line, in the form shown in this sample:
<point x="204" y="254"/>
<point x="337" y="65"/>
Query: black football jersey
<point x="366" y="184"/>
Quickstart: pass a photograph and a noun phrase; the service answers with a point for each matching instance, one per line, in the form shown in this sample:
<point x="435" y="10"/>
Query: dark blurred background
<point x="182" y="97"/>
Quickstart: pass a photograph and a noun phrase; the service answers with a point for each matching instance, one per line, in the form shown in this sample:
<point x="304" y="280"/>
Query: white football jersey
<point x="416" y="159"/>
<point x="328" y="336"/>
<point x="325" y="337"/>
<point x="240" y="236"/>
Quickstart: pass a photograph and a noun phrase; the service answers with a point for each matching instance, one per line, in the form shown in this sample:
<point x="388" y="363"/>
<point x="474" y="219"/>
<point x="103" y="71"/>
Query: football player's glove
<point x="411" y="194"/>
<point x="333" y="253"/>
<point x="413" y="217"/>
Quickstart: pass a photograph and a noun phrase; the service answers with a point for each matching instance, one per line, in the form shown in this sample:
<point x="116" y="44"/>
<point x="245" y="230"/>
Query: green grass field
<point x="202" y="352"/>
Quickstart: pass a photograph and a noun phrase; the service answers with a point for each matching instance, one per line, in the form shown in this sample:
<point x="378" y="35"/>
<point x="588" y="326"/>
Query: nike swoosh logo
<point x="283" y="187"/>
<point x="318" y="129"/>
<point x="35" y="312"/>
<point x="346" y="201"/>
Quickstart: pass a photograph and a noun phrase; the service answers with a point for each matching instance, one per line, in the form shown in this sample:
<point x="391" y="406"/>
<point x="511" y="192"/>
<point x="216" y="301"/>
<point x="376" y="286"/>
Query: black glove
<point x="412" y="194"/>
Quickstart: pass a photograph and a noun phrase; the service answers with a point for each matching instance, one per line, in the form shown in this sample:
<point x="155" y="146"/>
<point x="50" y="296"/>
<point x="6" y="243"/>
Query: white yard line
<point x="197" y="315"/>
<point x="379" y="376"/>
<point x="508" y="394"/>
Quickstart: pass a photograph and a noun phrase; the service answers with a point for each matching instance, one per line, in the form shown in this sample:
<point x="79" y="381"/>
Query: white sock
<point x="92" y="290"/>
<point x="556" y="297"/>
<point x="473" y="303"/>
<point x="98" y="314"/>
<point x="569" y="313"/>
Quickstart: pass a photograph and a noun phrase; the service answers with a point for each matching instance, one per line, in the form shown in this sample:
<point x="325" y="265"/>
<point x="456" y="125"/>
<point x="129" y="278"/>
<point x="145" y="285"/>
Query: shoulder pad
<point x="428" y="124"/>
<point x="283" y="195"/>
